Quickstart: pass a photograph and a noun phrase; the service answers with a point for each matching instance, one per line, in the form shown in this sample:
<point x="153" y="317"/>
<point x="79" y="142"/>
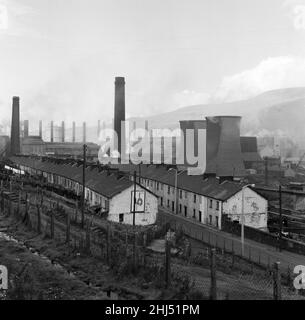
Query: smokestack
<point x="15" y="127"/>
<point x="52" y="131"/>
<point x="98" y="128"/>
<point x="84" y="132"/>
<point x="119" y="110"/>
<point x="40" y="129"/>
<point x="73" y="132"/>
<point x="224" y="157"/>
<point x="25" y="128"/>
<point x="63" y="131"/>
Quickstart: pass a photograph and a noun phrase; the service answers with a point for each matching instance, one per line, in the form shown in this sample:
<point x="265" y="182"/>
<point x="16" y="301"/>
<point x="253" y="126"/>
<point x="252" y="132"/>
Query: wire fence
<point x="192" y="270"/>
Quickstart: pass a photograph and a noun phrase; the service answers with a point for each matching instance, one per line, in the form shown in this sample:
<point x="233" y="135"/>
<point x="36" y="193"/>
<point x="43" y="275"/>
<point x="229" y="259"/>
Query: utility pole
<point x="266" y="171"/>
<point x="176" y="191"/>
<point x="281" y="221"/>
<point x="134" y="197"/>
<point x="84" y="184"/>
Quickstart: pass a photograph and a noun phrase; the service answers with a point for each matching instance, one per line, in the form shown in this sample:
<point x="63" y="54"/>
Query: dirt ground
<point x="52" y="270"/>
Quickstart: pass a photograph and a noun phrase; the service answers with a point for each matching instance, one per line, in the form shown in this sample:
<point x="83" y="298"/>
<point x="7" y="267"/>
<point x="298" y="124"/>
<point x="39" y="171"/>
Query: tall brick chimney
<point x="63" y="131"/>
<point x="25" y="128"/>
<point x="40" y="129"/>
<point x="119" y="110"/>
<point x="52" y="131"/>
<point x="84" y="132"/>
<point x="73" y="132"/>
<point x="15" y="127"/>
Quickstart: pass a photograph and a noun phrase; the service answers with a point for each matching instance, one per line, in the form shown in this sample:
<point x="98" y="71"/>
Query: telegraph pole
<point x="134" y="197"/>
<point x="84" y="184"/>
<point x="281" y="220"/>
<point x="266" y="171"/>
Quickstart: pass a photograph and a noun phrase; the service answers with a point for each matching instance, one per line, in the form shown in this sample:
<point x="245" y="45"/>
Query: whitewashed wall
<point x="255" y="209"/>
<point x="121" y="204"/>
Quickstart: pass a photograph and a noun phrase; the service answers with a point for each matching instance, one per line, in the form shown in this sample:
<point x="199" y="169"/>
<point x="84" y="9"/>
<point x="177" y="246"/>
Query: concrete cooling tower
<point x="224" y="156"/>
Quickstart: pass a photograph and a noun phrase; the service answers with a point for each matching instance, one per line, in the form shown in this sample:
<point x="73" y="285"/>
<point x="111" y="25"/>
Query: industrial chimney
<point x="15" y="128"/>
<point x="52" y="131"/>
<point x="84" y="132"/>
<point x="63" y="132"/>
<point x="73" y="132"/>
<point x="40" y="129"/>
<point x="26" y="128"/>
<point x="119" y="111"/>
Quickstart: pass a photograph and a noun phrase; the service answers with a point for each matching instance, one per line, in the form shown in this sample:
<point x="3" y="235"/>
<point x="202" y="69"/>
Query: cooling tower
<point x="224" y="157"/>
<point x="190" y="125"/>
<point x="15" y="127"/>
<point x="119" y="109"/>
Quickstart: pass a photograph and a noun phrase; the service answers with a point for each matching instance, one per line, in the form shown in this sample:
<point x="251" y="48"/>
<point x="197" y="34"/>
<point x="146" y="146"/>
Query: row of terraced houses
<point x="194" y="197"/>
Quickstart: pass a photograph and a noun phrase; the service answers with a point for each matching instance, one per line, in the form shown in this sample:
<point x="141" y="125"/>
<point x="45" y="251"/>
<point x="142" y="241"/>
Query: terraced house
<point x="110" y="190"/>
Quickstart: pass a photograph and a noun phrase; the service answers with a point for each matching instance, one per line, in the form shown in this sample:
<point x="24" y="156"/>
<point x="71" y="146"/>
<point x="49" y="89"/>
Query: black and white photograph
<point x="152" y="153"/>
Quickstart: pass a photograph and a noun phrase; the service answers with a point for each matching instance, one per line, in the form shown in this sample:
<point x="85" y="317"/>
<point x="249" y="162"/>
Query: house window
<point x="194" y="213"/>
<point x="180" y="208"/>
<point x="217" y="205"/>
<point x="185" y="211"/>
<point x="173" y="206"/>
<point x="168" y="203"/>
<point x="180" y="194"/>
<point x="200" y="216"/>
<point x="217" y="223"/>
<point x="211" y="204"/>
<point x="211" y="219"/>
<point x="168" y="189"/>
<point x="161" y="202"/>
<point x="158" y="186"/>
<point x="121" y="218"/>
<point x="195" y="198"/>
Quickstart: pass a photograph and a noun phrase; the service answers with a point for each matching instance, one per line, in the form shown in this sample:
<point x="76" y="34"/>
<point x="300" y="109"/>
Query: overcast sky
<point x="61" y="56"/>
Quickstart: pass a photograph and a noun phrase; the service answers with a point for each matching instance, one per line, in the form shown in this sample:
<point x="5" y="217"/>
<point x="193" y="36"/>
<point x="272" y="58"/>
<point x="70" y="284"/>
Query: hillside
<point x="282" y="109"/>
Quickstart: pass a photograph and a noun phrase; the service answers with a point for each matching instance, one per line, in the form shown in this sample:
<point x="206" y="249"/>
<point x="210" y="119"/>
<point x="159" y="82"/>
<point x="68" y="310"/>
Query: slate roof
<point x="111" y="184"/>
<point x="210" y="187"/>
<point x="100" y="182"/>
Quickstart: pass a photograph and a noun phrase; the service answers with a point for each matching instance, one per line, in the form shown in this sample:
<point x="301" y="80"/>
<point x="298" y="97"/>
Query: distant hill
<point x="280" y="111"/>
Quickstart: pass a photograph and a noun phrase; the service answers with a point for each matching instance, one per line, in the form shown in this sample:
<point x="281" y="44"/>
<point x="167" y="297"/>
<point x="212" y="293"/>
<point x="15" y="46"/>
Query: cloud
<point x="190" y="97"/>
<point x="270" y="74"/>
<point x="296" y="12"/>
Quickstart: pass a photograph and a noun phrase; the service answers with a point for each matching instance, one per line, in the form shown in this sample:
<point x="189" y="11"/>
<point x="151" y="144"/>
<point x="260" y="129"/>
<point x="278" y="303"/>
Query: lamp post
<point x="243" y="218"/>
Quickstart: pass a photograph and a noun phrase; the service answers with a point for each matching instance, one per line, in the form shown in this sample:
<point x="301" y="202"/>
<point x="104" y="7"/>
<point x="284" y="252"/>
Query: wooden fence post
<point x="108" y="240"/>
<point x="167" y="262"/>
<point x="68" y="229"/>
<point x="38" y="220"/>
<point x="52" y="225"/>
<point x="76" y="211"/>
<point x="88" y="238"/>
<point x="213" y="292"/>
<point x="144" y="248"/>
<point x="126" y="244"/>
<point x="277" y="294"/>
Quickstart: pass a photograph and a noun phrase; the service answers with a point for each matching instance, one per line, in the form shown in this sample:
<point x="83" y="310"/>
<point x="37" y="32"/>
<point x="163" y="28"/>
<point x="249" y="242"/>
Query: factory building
<point x="109" y="190"/>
